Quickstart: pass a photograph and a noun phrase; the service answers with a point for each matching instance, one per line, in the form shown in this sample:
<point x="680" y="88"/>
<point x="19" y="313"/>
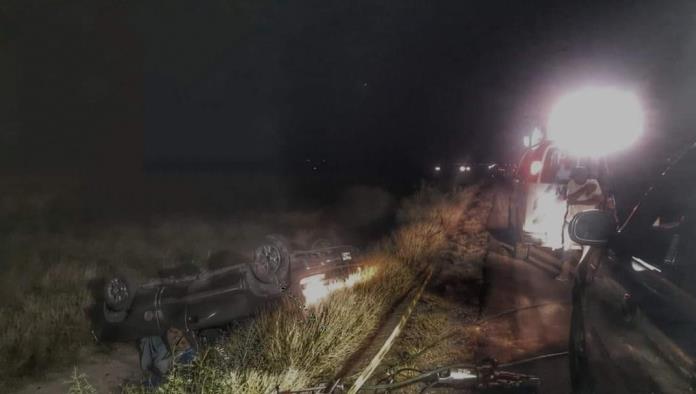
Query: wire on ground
<point x="377" y="359"/>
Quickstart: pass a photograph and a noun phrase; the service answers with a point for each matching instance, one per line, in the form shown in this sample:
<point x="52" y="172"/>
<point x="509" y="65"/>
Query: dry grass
<point x="44" y="286"/>
<point x="48" y="326"/>
<point x="78" y="384"/>
<point x="440" y="331"/>
<point x="437" y="334"/>
<point x="427" y="219"/>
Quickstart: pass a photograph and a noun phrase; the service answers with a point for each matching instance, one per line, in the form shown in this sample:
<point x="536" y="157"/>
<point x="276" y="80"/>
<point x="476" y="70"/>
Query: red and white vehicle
<point x="583" y="128"/>
<point x="538" y="206"/>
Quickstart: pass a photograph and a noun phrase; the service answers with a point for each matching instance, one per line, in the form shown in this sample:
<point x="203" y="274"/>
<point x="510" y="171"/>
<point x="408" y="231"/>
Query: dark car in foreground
<point x="634" y="315"/>
<point x="212" y="299"/>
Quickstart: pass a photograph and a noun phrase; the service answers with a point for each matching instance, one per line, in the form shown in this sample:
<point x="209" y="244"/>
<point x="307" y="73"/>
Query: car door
<point x="656" y="250"/>
<point x="639" y="312"/>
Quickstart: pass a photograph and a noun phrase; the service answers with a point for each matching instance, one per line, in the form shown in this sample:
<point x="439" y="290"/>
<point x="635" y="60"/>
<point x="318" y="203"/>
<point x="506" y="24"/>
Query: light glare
<point x="535" y="167"/>
<point x="545" y="213"/>
<point x="461" y="374"/>
<point x="537" y="137"/>
<point x="317" y="287"/>
<point x="596" y="121"/>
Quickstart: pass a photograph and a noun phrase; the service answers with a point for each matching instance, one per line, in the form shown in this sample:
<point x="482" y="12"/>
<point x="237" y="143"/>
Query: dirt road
<point x="540" y="329"/>
<point x="106" y="372"/>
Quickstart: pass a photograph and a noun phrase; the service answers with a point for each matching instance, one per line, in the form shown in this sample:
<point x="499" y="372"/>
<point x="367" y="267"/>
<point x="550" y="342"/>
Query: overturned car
<point x="214" y="298"/>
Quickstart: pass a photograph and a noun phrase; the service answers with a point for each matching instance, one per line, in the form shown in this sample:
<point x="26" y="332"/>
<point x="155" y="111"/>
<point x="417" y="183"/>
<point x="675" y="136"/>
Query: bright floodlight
<point x="596" y="121"/>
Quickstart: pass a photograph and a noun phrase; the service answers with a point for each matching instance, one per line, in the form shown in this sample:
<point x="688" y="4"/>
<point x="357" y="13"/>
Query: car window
<point x="671" y="191"/>
<point x="665" y="217"/>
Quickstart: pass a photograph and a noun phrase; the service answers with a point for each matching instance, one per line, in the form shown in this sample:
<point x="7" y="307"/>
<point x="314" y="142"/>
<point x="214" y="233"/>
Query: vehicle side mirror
<point x="592" y="228"/>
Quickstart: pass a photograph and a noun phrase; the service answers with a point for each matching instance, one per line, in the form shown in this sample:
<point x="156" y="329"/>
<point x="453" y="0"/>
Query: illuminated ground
<point x="532" y="332"/>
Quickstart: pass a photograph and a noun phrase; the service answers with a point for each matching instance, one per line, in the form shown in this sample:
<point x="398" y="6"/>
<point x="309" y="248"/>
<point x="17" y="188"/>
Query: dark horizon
<point x="112" y="86"/>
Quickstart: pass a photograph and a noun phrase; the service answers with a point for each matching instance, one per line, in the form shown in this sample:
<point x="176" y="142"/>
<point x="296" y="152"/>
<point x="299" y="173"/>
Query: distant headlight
<point x="437" y="168"/>
<point x="464" y="168"/>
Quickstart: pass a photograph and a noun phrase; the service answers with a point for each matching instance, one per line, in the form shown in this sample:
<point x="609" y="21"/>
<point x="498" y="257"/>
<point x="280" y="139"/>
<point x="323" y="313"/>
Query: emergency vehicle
<point x="538" y="204"/>
<point x="584" y="128"/>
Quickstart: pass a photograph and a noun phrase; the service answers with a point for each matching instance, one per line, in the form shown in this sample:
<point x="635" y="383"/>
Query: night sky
<point x="115" y="84"/>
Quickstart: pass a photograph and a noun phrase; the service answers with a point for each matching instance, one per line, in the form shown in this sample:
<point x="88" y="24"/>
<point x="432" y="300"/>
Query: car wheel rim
<point x="117" y="291"/>
<point x="268" y="260"/>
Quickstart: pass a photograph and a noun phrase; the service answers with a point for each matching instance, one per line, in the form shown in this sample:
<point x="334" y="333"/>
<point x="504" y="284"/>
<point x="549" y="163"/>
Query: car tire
<point x="119" y="292"/>
<point x="271" y="263"/>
